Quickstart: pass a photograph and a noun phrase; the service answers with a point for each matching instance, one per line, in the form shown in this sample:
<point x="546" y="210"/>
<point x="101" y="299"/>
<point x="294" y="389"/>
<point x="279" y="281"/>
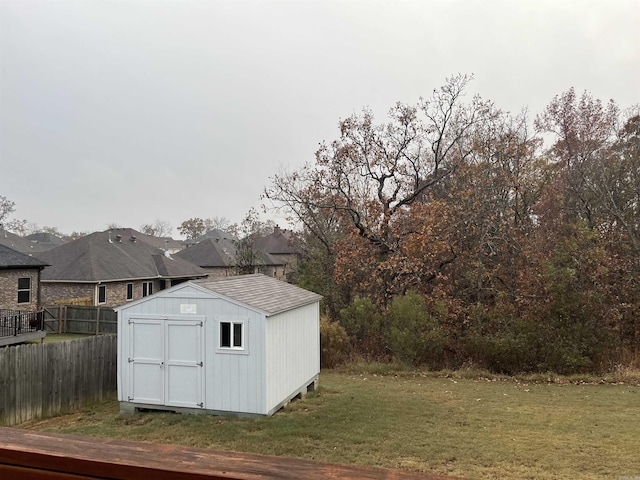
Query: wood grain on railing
<point x="31" y="455"/>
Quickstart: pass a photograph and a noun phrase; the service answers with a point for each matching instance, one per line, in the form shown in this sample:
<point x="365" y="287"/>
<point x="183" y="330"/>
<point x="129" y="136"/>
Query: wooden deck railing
<point x="29" y="455"/>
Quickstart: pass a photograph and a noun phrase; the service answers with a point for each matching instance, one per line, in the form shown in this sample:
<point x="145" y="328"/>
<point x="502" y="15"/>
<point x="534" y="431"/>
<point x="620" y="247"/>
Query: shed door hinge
<point x="201" y="405"/>
<point x="201" y="364"/>
<point x="129" y="399"/>
<point x="130" y="360"/>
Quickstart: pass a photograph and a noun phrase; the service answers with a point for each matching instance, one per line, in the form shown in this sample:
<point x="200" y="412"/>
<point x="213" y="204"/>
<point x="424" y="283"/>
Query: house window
<point x="232" y="335"/>
<point x="102" y="293"/>
<point x="147" y="288"/>
<point x="24" y="290"/>
<point x="129" y="291"/>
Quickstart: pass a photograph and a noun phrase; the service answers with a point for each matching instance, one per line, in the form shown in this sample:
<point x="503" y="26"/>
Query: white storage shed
<point x="246" y="345"/>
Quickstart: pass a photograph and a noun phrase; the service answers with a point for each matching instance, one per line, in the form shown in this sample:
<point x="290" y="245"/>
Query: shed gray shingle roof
<point x="265" y="293"/>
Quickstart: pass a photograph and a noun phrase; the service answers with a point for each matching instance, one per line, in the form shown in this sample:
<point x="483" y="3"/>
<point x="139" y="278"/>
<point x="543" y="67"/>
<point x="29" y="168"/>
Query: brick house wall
<point x="115" y="292"/>
<point x="51" y="292"/>
<point x="9" y="288"/>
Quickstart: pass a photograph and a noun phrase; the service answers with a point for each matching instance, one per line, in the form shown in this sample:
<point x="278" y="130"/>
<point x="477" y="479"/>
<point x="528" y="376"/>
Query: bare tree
<point x="159" y="228"/>
<point x="217" y="223"/>
<point x="192" y="228"/>
<point x="373" y="175"/>
<point x="7" y="207"/>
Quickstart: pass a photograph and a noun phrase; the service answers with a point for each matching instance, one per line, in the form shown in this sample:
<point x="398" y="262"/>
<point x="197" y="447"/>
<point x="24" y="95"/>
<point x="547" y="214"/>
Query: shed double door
<point x="166" y="361"/>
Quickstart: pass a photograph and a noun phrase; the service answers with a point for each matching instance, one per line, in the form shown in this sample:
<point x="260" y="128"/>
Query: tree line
<point x="456" y="232"/>
<point x="250" y="225"/>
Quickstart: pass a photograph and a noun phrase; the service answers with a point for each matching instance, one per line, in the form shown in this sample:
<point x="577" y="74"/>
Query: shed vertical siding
<point x="292" y="351"/>
<point x="237" y="377"/>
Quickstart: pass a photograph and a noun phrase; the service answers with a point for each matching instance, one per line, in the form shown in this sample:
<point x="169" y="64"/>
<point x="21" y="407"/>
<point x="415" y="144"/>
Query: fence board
<point x="78" y="319"/>
<point x="50" y="378"/>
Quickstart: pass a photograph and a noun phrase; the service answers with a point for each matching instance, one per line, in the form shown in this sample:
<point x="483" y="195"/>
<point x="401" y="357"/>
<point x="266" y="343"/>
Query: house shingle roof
<point x="113" y="255"/>
<point x="10" y="258"/>
<point x="21" y="244"/>
<point x="215" y="252"/>
<point x="265" y="293"/>
<point x="158" y="242"/>
<point x="276" y="243"/>
<point x="45" y="240"/>
<point x="210" y="252"/>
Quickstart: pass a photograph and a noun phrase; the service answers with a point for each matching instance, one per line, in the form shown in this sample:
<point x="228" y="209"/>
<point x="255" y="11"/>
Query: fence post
<point x="98" y="321"/>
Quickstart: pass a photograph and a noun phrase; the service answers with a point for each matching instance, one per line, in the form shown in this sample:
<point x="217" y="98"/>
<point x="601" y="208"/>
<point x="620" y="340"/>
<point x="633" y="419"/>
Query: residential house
<point x="20" y="320"/>
<point x="19" y="280"/>
<point x="216" y="253"/>
<point x="110" y="268"/>
<point x="279" y="246"/>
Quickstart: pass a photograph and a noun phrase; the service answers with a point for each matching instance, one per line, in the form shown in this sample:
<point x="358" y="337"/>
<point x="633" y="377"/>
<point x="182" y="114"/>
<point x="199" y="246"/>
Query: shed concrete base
<point x="130" y="408"/>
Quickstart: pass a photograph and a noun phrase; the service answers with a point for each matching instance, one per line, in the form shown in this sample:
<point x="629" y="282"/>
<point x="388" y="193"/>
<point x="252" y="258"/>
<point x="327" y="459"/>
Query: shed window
<point x="24" y="290"/>
<point x="231" y="335"/>
<point x="129" y="291"/>
<point x="102" y="293"/>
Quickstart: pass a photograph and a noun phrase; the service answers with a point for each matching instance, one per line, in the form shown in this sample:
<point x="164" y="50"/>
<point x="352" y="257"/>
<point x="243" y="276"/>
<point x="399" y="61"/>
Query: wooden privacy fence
<point x="46" y="379"/>
<point x="80" y="319"/>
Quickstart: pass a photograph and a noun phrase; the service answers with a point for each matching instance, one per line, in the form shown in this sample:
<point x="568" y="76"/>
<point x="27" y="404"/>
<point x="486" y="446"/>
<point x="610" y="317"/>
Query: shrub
<point x="416" y="336"/>
<point x="514" y="348"/>
<point x="365" y="326"/>
<point x="563" y="344"/>
<point x="334" y="343"/>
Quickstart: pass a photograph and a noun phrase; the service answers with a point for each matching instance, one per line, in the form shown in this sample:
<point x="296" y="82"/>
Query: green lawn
<point x="474" y="428"/>
<point x="61" y="337"/>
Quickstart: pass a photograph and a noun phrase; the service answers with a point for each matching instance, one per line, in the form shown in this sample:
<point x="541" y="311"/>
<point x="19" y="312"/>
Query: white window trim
<point x="244" y="350"/>
<point x="149" y="285"/>
<point x="132" y="291"/>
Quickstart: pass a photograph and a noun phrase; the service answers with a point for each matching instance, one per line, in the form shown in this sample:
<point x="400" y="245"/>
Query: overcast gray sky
<point x="130" y="111"/>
